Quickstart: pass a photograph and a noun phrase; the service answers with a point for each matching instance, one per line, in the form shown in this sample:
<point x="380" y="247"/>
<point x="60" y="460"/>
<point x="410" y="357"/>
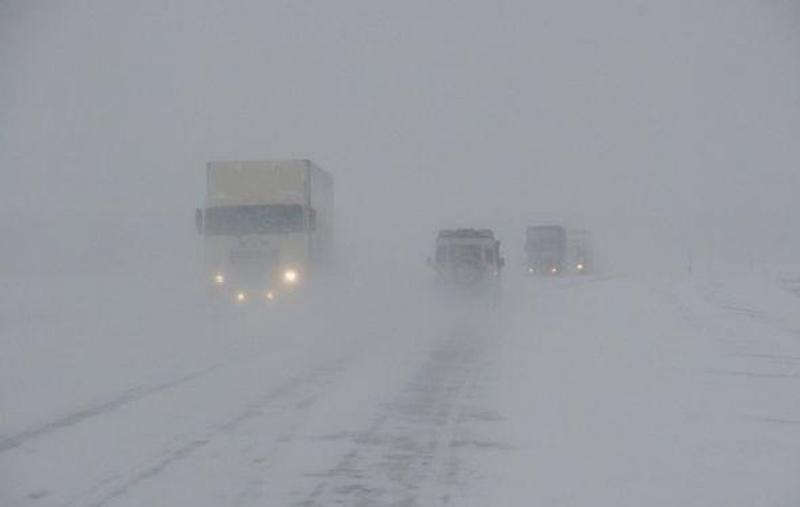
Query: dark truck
<point x="545" y="249"/>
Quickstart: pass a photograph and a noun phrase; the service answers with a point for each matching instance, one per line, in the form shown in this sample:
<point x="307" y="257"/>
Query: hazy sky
<point x="667" y="127"/>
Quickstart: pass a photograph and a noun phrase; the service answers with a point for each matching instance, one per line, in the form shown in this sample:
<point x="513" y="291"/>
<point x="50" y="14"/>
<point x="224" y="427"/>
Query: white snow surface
<point x="597" y="391"/>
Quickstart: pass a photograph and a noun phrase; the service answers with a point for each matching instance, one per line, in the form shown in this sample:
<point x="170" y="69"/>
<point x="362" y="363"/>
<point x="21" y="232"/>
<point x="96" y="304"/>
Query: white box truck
<point x="267" y="226"/>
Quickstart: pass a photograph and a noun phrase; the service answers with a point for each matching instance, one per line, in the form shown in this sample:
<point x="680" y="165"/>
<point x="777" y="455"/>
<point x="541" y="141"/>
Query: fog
<point x="668" y="129"/>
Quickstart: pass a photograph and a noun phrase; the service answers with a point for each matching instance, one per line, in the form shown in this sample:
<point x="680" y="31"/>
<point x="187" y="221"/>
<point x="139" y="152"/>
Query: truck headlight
<point x="219" y="279"/>
<point x="290" y="276"/>
<point x="270" y="295"/>
<point x="241" y="297"/>
<point x="580" y="267"/>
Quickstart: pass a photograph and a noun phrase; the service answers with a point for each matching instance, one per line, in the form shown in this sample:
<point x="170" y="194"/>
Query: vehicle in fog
<point x="468" y="259"/>
<point x="267" y="226"/>
<point x="579" y="246"/>
<point x="545" y="249"/>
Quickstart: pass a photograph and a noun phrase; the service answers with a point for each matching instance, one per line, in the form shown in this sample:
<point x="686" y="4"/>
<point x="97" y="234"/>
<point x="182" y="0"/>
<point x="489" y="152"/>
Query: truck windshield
<point x="465" y="253"/>
<point x="545" y="238"/>
<point x="253" y="219"/>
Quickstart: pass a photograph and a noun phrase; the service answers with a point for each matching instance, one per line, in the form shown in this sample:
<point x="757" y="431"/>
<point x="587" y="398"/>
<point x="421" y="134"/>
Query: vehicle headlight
<point x="241" y="297"/>
<point x="290" y="276"/>
<point x="219" y="279"/>
<point x="530" y="270"/>
<point x="580" y="267"/>
<point x="554" y="270"/>
<point x="270" y="295"/>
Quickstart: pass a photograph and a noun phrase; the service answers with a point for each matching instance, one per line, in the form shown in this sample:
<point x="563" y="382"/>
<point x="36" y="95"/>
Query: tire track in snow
<point x="265" y="460"/>
<point x="773" y="420"/>
<point x="405" y="457"/>
<point x="79" y="416"/>
<point x="104" y="492"/>
<point x="753" y="374"/>
<point x="791" y="285"/>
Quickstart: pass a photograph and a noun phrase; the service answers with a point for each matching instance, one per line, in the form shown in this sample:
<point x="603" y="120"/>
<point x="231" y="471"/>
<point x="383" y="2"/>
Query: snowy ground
<point x="601" y="391"/>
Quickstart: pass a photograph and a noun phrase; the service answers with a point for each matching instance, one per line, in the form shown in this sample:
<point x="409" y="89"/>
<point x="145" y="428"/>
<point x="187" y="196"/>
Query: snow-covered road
<point x="594" y="391"/>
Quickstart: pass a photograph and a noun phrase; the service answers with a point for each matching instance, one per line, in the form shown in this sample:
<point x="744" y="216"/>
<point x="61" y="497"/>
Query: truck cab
<point x="467" y="258"/>
<point x="267" y="227"/>
<point x="545" y="250"/>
